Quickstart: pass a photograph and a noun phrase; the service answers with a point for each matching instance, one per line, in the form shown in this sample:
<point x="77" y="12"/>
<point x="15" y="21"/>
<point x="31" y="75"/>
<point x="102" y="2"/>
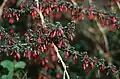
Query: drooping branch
<point x="55" y="47"/>
<point x="63" y="64"/>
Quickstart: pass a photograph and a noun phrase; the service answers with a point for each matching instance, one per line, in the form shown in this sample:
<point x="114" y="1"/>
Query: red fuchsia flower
<point x="46" y="42"/>
<point x="46" y="68"/>
<point x="34" y="54"/>
<point x="25" y="34"/>
<point x="0" y="37"/>
<point x="57" y="15"/>
<point x="90" y="15"/>
<point x="7" y="54"/>
<point x="88" y="70"/>
<point x="43" y="62"/>
<point x="34" y="14"/>
<point x="84" y="66"/>
<point x="82" y="17"/>
<point x="58" y="75"/>
<point x="52" y="45"/>
<point x="18" y="56"/>
<point x="52" y="52"/>
<point x="11" y="31"/>
<point x="102" y="68"/>
<point x="92" y="64"/>
<point x="113" y="70"/>
<point x="11" y="20"/>
<point x="17" y="17"/>
<point x="11" y="53"/>
<point x="66" y="44"/>
<point x="107" y="22"/>
<point x="38" y="47"/>
<point x="44" y="14"/>
<point x="66" y="55"/>
<point x="39" y="76"/>
<point x="53" y="34"/>
<point x="9" y="15"/>
<point x="47" y="10"/>
<point x="70" y="37"/>
<point x="113" y="25"/>
<point x="60" y="43"/>
<point x="65" y="9"/>
<point x="61" y="31"/>
<point x="46" y="60"/>
<point x="60" y="8"/>
<point x="27" y="38"/>
<point x="102" y="22"/>
<point x="54" y="58"/>
<point x="11" y="41"/>
<point x="22" y="6"/>
<point x="27" y="54"/>
<point x="13" y="1"/>
<point x="44" y="47"/>
<point x="86" y="58"/>
<point x="38" y="40"/>
<point x="117" y="0"/>
<point x="44" y="0"/>
<point x="38" y="51"/>
<point x="114" y="19"/>
<point x="50" y="9"/>
<point x="75" y="59"/>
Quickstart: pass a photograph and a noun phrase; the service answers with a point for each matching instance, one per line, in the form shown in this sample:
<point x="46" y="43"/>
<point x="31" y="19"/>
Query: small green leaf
<point x="10" y="75"/>
<point x="4" y="77"/>
<point x="20" y="64"/>
<point x="7" y="64"/>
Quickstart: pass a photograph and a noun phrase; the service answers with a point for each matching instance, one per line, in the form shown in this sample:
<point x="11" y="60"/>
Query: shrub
<point x="54" y="39"/>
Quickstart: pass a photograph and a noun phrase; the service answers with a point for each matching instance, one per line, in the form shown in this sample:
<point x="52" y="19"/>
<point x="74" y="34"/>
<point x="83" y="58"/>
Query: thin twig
<point x="63" y="64"/>
<point x="25" y="76"/>
<point x="118" y="4"/>
<point x="40" y="13"/>
<point x="73" y="1"/>
<point x="104" y="35"/>
<point x="1" y="7"/>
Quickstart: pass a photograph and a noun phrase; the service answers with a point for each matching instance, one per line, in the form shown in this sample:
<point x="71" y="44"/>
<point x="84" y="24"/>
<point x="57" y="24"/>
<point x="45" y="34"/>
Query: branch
<point x="73" y="1"/>
<point x="63" y="64"/>
<point x="56" y="49"/>
<point x="1" y="7"/>
<point x="104" y="35"/>
<point x="40" y="13"/>
<point x="118" y="4"/>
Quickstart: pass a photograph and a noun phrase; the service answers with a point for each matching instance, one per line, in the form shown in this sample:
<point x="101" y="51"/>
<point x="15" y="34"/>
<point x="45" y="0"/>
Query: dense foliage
<point x="59" y="39"/>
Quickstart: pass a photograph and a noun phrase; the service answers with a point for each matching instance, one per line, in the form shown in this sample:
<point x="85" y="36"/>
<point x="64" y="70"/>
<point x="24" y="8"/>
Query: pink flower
<point x="91" y="16"/>
<point x="18" y="56"/>
<point x="27" y="54"/>
<point x="11" y="20"/>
